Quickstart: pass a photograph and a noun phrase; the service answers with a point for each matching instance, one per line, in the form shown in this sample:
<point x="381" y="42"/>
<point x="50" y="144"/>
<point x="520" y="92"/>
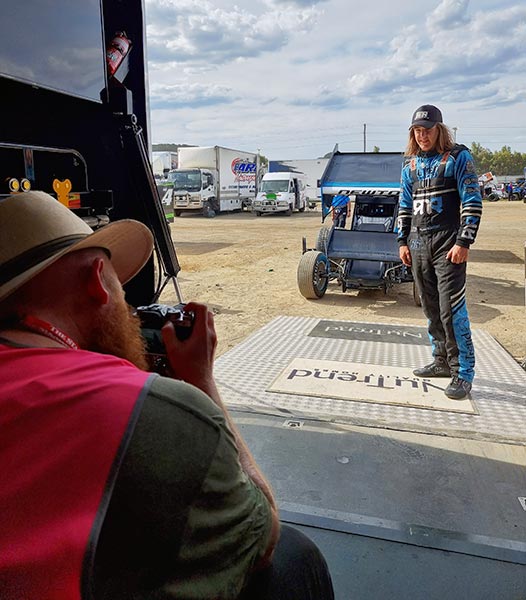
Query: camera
<point x="153" y="317"/>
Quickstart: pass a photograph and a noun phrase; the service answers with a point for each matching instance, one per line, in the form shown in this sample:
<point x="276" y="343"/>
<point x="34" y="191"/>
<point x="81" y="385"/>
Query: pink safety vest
<point x="65" y="419"/>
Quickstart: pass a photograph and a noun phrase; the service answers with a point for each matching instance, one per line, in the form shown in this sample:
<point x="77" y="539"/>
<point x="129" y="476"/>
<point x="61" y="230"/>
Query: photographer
<point x="119" y="483"/>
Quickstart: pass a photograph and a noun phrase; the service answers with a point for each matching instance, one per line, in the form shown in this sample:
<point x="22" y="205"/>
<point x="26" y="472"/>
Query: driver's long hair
<point x="445" y="141"/>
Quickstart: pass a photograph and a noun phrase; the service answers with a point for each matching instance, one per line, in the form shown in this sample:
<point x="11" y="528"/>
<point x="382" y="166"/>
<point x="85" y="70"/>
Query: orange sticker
<point x="62" y="189"/>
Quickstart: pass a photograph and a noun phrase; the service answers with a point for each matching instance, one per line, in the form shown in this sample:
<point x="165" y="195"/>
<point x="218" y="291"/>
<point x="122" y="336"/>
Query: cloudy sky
<point x="295" y="77"/>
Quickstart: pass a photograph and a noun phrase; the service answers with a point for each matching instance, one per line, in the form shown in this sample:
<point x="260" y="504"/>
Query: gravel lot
<point x="244" y="267"/>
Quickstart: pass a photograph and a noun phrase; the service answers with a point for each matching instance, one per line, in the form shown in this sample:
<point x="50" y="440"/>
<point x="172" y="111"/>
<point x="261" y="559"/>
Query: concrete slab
<point x="436" y="491"/>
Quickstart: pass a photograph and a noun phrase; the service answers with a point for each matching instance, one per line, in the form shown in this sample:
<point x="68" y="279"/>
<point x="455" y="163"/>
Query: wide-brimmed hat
<point x="36" y="230"/>
<point x="426" y="116"/>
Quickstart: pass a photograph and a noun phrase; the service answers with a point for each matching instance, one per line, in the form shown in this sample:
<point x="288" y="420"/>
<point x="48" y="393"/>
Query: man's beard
<point x="119" y="333"/>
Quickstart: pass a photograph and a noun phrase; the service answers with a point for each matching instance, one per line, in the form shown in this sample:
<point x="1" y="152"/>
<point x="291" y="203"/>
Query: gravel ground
<point x="245" y="268"/>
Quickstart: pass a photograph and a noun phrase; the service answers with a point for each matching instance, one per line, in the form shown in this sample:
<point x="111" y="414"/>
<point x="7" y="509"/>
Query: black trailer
<point x="75" y="118"/>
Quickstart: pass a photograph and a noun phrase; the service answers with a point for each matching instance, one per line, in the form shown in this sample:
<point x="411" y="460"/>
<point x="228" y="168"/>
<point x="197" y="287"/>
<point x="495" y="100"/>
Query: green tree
<point x="500" y="162"/>
<point x="482" y="157"/>
<point x="263" y="161"/>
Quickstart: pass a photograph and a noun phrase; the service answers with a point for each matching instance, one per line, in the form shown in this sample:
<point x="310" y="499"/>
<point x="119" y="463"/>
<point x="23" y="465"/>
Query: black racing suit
<point x="440" y="206"/>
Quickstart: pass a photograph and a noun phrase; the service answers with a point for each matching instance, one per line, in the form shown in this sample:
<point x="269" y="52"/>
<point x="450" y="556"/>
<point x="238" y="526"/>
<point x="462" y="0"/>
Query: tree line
<point x="500" y="162"/>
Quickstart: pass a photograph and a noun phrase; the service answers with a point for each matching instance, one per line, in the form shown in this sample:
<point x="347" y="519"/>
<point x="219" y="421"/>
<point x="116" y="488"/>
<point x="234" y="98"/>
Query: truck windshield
<point x="186" y="180"/>
<point x="279" y="185"/>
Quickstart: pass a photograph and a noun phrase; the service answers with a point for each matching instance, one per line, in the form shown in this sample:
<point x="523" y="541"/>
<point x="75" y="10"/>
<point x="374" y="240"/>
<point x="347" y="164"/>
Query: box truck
<point x="280" y="192"/>
<point x="163" y="163"/>
<point x="309" y="169"/>
<point x="213" y="179"/>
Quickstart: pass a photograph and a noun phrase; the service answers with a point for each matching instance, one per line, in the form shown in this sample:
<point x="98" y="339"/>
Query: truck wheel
<point x="323" y="238"/>
<point x="208" y="211"/>
<point x="258" y="213"/>
<point x="288" y="212"/>
<point x="416" y="295"/>
<point x="302" y="209"/>
<point x="313" y="273"/>
<point x="177" y="213"/>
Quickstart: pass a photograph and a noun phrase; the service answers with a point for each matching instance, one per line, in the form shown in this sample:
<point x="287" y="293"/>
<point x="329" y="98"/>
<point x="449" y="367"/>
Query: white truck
<point x="163" y="163"/>
<point x="213" y="179"/>
<point x="309" y="169"/>
<point x="280" y="192"/>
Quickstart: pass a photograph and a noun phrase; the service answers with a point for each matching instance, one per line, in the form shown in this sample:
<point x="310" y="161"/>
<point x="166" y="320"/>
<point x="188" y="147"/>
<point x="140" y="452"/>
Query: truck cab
<point x="280" y="192"/>
<point x="193" y="189"/>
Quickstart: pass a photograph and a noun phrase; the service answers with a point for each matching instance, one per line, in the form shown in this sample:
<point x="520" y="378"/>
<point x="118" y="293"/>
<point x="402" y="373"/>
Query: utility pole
<point x="455" y="134"/>
<point x="258" y="177"/>
<point x="364" y="137"/>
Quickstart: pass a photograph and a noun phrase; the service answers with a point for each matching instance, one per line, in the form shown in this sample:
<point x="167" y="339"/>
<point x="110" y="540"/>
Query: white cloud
<point x="454" y="51"/>
<point x="294" y="77"/>
<point x="199" y="32"/>
<point x="164" y="97"/>
<point x="449" y="13"/>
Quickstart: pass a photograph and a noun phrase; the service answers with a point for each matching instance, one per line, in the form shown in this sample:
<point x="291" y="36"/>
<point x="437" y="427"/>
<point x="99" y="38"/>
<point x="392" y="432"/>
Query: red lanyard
<point x="44" y="328"/>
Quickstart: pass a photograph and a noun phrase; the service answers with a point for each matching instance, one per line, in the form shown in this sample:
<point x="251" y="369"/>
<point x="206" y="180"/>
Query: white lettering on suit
<point x="421" y="205"/>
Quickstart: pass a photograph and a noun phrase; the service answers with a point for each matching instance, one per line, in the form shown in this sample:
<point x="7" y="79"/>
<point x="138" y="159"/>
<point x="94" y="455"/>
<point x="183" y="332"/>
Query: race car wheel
<point x="323" y="237"/>
<point x="313" y="273"/>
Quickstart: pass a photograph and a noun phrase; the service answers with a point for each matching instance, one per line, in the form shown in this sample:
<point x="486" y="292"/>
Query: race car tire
<point x="323" y="237"/>
<point x="313" y="272"/>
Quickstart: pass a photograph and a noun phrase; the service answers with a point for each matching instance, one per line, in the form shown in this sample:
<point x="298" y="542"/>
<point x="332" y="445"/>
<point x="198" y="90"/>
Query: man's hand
<point x="458" y="254"/>
<point x="405" y="255"/>
<point x="192" y="360"/>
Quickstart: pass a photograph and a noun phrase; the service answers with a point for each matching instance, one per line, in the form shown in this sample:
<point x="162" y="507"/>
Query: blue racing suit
<point x="440" y="206"/>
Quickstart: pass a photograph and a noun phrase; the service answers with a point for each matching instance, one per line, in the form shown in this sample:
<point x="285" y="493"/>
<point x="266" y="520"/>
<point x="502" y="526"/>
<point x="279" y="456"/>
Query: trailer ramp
<point x="409" y="495"/>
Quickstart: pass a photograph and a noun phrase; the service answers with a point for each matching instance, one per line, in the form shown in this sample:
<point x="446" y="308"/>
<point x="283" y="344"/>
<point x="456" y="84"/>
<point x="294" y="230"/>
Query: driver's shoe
<point x="458" y="388"/>
<point x="438" y="368"/>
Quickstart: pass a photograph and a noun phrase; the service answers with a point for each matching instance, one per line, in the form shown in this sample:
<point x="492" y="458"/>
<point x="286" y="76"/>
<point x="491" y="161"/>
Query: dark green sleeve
<point x="184" y="521"/>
